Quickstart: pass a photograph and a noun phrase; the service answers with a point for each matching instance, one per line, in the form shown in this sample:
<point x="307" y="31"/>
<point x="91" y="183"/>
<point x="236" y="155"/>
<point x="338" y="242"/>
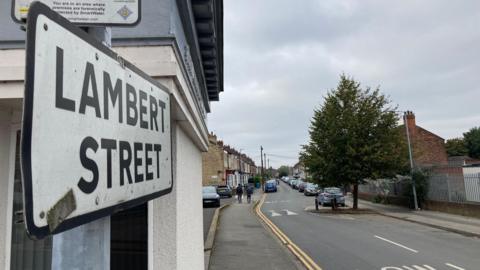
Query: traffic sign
<point x="96" y="132"/>
<point x="86" y="12"/>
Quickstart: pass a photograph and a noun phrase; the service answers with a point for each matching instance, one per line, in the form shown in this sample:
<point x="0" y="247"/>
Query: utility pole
<point x="265" y="159"/>
<point x="268" y="167"/>
<point x="411" y="161"/>
<point x="261" y="158"/>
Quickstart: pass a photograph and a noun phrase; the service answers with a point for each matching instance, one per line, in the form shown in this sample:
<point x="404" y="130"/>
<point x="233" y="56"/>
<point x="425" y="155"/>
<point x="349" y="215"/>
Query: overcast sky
<point x="282" y="56"/>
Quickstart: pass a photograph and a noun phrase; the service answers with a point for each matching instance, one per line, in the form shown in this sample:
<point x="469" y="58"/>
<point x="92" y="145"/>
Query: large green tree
<point x="283" y="171"/>
<point x="456" y="147"/>
<point x="354" y="136"/>
<point x="472" y="142"/>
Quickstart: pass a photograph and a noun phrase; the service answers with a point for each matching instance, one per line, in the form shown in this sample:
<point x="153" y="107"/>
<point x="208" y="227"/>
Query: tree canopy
<point x="283" y="171"/>
<point x="354" y="136"/>
<point x="472" y="142"/>
<point x="456" y="147"/>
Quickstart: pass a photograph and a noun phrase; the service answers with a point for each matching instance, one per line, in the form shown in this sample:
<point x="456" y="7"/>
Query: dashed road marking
<point x="274" y="213"/>
<point x="397" y="244"/>
<point x="454" y="266"/>
<point x="289" y="213"/>
<point x="404" y="267"/>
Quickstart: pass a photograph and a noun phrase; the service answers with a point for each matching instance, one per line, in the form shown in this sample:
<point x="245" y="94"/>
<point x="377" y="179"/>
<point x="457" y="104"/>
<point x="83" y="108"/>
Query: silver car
<point x="210" y="196"/>
<point x="329" y="194"/>
<point x="310" y="189"/>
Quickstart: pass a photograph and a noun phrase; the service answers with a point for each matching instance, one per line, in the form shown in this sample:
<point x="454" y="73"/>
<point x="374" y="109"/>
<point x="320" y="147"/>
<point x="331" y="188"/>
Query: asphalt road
<point x="366" y="242"/>
<point x="208" y="212"/>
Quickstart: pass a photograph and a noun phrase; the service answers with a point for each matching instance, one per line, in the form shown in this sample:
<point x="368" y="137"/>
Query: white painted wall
<point x="10" y="117"/>
<point x="5" y="116"/>
<point x="189" y="204"/>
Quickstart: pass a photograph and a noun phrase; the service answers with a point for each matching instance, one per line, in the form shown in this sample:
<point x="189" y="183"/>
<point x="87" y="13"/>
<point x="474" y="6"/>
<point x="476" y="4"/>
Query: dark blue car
<point x="271" y="186"/>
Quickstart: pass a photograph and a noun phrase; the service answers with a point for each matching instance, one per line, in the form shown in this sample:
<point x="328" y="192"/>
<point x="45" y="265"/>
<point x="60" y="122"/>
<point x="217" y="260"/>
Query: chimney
<point x="410" y="122"/>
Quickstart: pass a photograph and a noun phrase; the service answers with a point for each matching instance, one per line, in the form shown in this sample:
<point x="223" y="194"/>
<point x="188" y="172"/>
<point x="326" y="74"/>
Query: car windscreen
<point x="223" y="189"/>
<point x="333" y="190"/>
<point x="209" y="190"/>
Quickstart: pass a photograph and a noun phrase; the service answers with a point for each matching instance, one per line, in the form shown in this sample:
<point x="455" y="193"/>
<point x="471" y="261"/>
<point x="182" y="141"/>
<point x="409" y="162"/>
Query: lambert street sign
<point x="86" y="12"/>
<point x="96" y="132"/>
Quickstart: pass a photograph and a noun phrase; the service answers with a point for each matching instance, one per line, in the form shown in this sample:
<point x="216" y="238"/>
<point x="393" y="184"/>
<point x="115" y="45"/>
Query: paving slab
<point x="242" y="242"/>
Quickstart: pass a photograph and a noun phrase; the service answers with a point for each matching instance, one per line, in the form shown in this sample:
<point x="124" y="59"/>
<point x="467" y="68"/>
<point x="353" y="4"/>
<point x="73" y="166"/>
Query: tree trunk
<point x="355" y="196"/>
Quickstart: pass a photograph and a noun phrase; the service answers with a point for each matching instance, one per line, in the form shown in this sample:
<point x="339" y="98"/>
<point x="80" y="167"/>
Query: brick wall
<point x="428" y="148"/>
<point x="213" y="163"/>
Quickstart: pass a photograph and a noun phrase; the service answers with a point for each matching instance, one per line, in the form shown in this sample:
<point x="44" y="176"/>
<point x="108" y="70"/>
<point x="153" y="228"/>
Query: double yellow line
<point x="300" y="254"/>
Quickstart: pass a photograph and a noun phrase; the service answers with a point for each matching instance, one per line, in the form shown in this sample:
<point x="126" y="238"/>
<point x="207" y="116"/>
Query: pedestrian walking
<point x="249" y="193"/>
<point x="239" y="193"/>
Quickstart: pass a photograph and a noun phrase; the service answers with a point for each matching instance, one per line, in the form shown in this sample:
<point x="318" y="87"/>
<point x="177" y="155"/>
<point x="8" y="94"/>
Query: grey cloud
<point x="281" y="57"/>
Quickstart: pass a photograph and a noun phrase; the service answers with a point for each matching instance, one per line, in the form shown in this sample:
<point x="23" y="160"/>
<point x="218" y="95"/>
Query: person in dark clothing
<point x="249" y="193"/>
<point x="239" y="193"/>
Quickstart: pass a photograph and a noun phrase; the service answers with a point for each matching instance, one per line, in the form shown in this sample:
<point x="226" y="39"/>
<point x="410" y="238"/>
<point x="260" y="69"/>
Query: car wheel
<point x="218" y="203"/>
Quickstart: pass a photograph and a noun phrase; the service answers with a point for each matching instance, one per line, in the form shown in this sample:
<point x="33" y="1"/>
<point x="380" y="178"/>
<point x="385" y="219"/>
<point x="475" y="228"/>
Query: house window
<point x="25" y="253"/>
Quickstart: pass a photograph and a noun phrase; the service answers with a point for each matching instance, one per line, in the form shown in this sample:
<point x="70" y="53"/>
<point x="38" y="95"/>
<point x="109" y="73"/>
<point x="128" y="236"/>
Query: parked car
<point x="301" y="186"/>
<point x="326" y="197"/>
<point x="210" y="196"/>
<point x="311" y="189"/>
<point x="292" y="182"/>
<point x="271" y="186"/>
<point x="224" y="191"/>
<point x="297" y="182"/>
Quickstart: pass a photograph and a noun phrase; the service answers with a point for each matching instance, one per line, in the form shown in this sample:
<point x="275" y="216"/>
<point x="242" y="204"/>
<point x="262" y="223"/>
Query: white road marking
<point x="424" y="267"/>
<point x="289" y="213"/>
<point x="404" y="267"/>
<point x="397" y="244"/>
<point x="275" y="214"/>
<point x="334" y="216"/>
<point x="454" y="266"/>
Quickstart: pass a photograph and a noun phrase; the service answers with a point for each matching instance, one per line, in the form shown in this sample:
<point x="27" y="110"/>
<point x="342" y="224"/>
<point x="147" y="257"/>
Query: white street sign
<point x="86" y="12"/>
<point x="96" y="132"/>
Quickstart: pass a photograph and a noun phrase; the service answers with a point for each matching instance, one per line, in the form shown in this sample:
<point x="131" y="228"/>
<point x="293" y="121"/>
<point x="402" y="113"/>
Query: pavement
<point x="468" y="226"/>
<point x="369" y="241"/>
<point x="208" y="213"/>
<point x="242" y="242"/>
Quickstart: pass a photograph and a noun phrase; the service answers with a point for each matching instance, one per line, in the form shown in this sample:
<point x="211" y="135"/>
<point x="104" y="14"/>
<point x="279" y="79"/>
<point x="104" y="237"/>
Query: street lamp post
<point x="414" y="189"/>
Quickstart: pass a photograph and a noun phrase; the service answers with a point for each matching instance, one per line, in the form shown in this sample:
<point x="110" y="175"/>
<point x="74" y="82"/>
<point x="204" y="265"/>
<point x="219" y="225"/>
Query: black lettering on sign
<point x="115" y="94"/>
<point x="142" y="108"/>
<point x="137" y="161"/>
<point x="60" y="101"/>
<point x="153" y="113"/>
<point x="131" y="102"/>
<point x="162" y="105"/>
<point x="109" y="145"/>
<point x="125" y="161"/>
<point x="157" y="148"/>
<point x="87" y="100"/>
<point x="148" y="161"/>
<point x="84" y="185"/>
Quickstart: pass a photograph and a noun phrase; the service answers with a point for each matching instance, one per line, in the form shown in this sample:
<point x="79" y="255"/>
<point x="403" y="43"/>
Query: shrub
<point x="421" y="186"/>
